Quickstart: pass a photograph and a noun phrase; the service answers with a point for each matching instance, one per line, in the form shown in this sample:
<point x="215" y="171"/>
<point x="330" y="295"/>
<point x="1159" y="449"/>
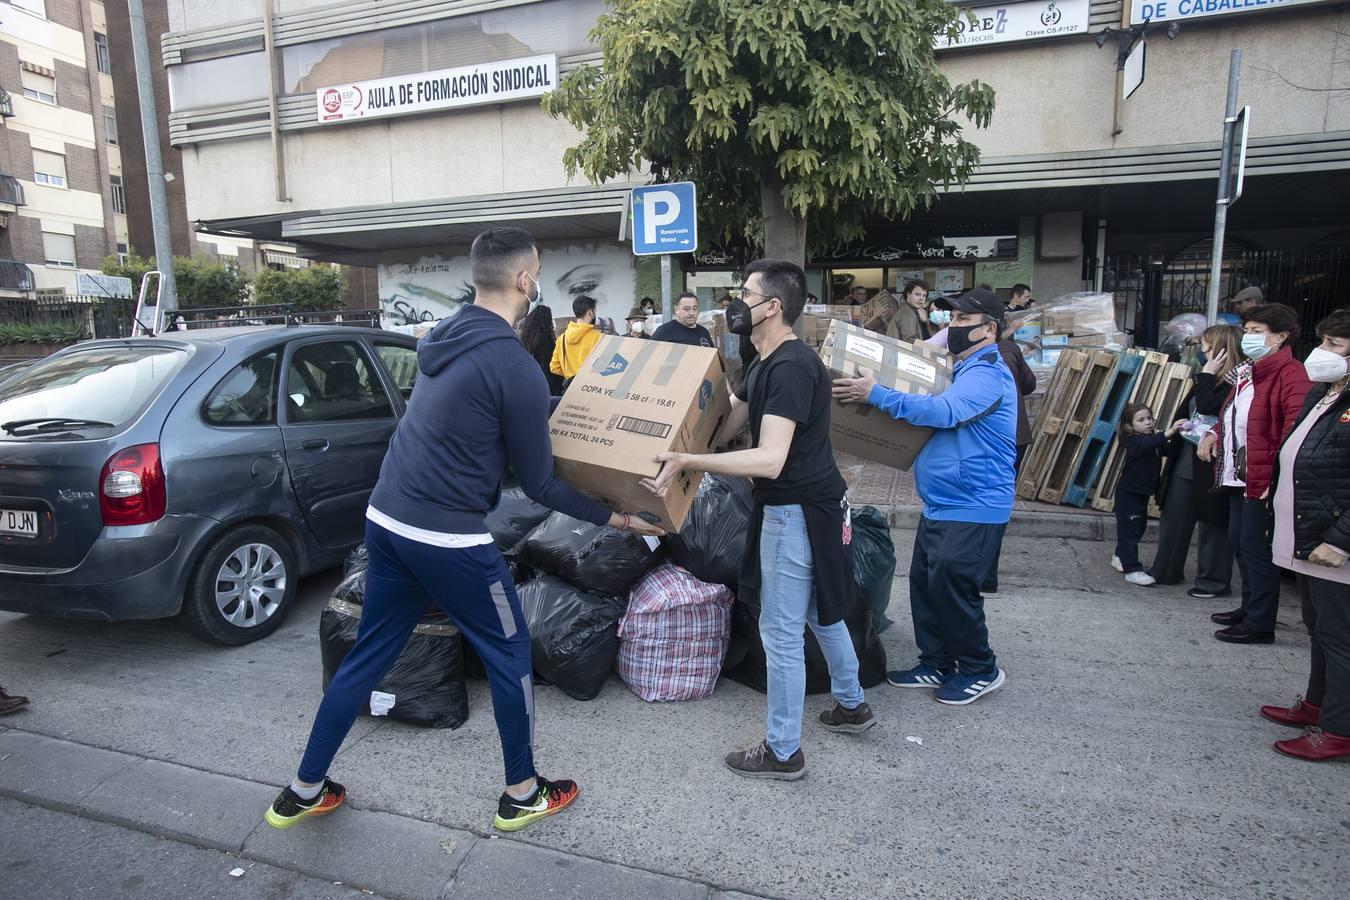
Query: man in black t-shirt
<point x="799" y="556"/>
<point x="684" y="328"/>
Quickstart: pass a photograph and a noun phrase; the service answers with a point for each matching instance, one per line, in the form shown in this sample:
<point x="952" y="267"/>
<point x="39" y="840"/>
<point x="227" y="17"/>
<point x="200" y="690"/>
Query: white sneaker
<point x="1115" y="564"/>
<point x="1143" y="579"/>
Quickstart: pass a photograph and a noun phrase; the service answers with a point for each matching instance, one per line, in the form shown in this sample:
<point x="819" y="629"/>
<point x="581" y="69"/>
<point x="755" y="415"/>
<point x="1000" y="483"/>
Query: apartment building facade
<point x="62" y="189"/>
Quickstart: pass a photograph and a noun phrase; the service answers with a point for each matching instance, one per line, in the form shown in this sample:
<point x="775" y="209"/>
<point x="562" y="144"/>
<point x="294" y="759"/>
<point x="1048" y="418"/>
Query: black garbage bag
<point x="426" y="682"/>
<point x="573" y="635"/>
<point x="751" y="670"/>
<point x="595" y="558"/>
<point x="514" y="517"/>
<point x="711" y="544"/>
<point x="357" y="559"/>
<point x="873" y="563"/>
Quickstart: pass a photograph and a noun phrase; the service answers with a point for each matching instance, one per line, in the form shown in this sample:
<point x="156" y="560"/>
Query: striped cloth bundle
<point x="674" y="636"/>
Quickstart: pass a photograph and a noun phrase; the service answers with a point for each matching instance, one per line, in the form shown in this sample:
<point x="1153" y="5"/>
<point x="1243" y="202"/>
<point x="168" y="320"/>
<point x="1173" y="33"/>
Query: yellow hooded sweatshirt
<point x="574" y="345"/>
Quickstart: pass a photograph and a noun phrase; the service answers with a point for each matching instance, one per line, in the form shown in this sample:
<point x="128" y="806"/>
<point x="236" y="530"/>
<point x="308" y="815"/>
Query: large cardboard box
<point x="842" y="312"/>
<point x="862" y="429"/>
<point x="632" y="400"/>
<point x="878" y="311"/>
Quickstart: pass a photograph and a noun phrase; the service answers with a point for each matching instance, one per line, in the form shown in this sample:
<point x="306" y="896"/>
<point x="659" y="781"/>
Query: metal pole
<point x="1221" y="204"/>
<point x="1101" y="256"/>
<point x="154" y="165"/>
<point x="666" y="311"/>
<point x="278" y="151"/>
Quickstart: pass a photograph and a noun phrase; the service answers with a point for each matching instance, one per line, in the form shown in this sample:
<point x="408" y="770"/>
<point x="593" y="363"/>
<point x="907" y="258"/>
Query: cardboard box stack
<point x="816" y="319"/>
<point x="879" y="310"/>
<point x="862" y="429"/>
<point x="632" y="400"/>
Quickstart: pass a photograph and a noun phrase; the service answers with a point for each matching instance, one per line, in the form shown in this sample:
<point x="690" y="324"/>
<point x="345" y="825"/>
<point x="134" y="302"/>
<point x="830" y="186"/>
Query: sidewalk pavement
<point x="394" y="856"/>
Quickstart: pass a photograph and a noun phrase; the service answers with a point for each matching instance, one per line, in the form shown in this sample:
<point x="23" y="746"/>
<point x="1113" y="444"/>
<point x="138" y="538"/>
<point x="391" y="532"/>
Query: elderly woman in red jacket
<point x="1267" y="398"/>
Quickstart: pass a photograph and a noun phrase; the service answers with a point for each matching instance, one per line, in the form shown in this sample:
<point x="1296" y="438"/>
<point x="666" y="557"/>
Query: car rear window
<point x="105" y="384"/>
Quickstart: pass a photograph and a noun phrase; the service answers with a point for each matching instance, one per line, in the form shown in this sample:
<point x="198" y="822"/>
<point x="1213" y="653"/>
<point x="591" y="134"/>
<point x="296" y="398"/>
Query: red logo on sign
<point x="332" y="100"/>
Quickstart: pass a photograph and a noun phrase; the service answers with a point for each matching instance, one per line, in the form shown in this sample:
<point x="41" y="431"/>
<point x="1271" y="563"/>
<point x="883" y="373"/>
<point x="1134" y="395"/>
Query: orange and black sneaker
<point x="549" y="797"/>
<point x="288" y="808"/>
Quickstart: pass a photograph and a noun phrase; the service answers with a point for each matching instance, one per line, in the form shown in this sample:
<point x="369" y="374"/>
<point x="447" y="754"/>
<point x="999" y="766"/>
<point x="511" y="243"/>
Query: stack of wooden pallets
<point x="1075" y="455"/>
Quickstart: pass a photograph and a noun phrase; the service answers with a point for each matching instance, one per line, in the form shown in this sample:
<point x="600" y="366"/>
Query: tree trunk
<point x="784" y="231"/>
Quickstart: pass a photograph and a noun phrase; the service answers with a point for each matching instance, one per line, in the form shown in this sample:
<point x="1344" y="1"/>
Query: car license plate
<point x="20" y="522"/>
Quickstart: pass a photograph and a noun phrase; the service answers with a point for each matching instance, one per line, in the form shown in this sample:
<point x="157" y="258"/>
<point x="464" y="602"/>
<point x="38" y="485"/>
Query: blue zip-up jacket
<point x="481" y="403"/>
<point x="965" y="471"/>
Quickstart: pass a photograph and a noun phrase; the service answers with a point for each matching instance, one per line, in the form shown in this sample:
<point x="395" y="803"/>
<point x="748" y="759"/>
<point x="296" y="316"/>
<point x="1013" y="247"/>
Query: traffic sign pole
<point x="1221" y="205"/>
<point x="666" y="311"/>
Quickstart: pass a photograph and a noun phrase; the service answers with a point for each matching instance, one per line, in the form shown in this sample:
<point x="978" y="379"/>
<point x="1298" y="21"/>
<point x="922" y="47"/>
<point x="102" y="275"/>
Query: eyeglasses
<point x="766" y="297"/>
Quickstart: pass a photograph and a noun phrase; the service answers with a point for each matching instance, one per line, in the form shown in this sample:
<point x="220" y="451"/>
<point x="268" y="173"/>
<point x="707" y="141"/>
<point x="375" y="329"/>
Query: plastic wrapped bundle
<point x="674" y="636"/>
<point x="595" y="558"/>
<point x="711" y="544"/>
<point x="573" y="635"/>
<point x="873" y="563"/>
<point x="357" y="559"/>
<point x="425" y="686"/>
<point x="514" y="517"/>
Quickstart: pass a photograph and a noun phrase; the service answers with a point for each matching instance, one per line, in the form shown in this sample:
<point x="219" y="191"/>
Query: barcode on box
<point x="643" y="427"/>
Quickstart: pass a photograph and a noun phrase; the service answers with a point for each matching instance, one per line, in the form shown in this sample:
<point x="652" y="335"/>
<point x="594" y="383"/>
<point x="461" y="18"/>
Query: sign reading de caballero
<point x="496" y="82"/>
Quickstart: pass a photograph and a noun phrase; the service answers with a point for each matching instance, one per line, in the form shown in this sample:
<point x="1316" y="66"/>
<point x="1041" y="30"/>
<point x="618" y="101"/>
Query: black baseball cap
<point x="980" y="300"/>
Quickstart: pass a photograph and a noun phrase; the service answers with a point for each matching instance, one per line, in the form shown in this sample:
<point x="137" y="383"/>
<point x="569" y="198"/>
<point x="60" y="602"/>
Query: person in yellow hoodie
<point x="577" y="342"/>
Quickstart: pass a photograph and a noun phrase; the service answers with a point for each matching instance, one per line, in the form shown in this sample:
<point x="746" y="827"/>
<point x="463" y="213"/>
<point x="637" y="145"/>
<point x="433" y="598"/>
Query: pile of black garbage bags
<point x="574" y="579"/>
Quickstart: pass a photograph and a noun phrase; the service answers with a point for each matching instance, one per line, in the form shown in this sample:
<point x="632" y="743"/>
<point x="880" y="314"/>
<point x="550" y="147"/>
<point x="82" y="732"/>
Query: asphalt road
<point x="1124" y="758"/>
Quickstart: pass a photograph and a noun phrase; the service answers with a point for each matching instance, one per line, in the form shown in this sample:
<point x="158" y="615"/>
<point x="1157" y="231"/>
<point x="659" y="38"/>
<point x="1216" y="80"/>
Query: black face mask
<point x="739" y="320"/>
<point x="958" y="339"/>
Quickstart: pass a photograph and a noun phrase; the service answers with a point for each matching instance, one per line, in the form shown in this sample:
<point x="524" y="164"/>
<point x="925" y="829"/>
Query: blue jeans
<point x="787" y="606"/>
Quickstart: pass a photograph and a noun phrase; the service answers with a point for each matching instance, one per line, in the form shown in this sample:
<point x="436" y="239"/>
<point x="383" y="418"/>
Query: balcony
<point x="15" y="277"/>
<point x="11" y="194"/>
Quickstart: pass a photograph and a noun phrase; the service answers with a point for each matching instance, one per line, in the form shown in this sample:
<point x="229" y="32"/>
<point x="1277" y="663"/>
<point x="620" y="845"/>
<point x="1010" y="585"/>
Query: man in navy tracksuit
<point x="964" y="475"/>
<point x="481" y="404"/>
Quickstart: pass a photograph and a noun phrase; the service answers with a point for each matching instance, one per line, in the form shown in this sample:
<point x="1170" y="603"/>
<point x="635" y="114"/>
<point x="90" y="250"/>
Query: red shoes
<point x="1316" y="745"/>
<point x="1301" y="715"/>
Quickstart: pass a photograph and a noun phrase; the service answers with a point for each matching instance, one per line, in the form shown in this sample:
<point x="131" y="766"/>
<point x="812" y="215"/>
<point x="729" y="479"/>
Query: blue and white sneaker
<point x="921" y="676"/>
<point x="963" y="689"/>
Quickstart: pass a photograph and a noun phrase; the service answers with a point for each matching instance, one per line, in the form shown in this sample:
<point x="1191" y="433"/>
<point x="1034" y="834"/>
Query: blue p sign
<point x="665" y="219"/>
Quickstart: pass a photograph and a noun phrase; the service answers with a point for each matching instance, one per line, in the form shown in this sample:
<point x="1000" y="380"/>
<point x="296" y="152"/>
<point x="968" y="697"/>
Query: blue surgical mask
<point x="1254" y="346"/>
<point x="940" y="317"/>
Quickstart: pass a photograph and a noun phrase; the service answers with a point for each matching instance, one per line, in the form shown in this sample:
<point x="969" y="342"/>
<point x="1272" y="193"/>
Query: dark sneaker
<point x="848" y="721"/>
<point x="549" y="797"/>
<point x="11" y="702"/>
<point x="921" y="676"/>
<point x="288" y="808"/>
<point x="964" y="689"/>
<point x="759" y="762"/>
<point x="1204" y="594"/>
<point x="1239" y="634"/>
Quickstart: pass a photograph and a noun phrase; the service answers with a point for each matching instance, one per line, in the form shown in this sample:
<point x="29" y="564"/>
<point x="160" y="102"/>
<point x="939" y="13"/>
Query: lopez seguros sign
<point x="1007" y="22"/>
<point x="495" y="82"/>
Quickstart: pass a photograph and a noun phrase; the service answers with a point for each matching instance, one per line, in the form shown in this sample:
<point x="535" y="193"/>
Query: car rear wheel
<point x="242" y="588"/>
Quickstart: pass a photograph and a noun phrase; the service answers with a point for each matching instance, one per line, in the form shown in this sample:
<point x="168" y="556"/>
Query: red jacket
<point x="1280" y="383"/>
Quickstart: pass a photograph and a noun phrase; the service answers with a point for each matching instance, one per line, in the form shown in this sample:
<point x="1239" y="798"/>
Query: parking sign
<point x="664" y="219"/>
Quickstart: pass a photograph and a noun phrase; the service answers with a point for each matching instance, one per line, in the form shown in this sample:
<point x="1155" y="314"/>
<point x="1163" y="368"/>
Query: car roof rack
<point x="246" y="315"/>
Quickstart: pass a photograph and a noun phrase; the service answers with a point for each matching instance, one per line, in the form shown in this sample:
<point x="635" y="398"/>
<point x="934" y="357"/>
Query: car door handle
<point x="314" y="444"/>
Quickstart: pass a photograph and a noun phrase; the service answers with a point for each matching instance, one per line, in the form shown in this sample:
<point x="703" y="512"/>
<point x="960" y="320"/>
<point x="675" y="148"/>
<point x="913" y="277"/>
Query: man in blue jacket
<point x="480" y="405"/>
<point x="964" y="476"/>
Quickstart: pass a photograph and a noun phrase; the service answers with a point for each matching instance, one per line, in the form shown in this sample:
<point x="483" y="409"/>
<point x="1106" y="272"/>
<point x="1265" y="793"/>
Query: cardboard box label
<point x="865" y="347"/>
<point x="916" y="368"/>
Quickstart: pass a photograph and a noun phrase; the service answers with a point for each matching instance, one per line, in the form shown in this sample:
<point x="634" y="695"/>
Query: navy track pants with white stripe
<point x="474" y="588"/>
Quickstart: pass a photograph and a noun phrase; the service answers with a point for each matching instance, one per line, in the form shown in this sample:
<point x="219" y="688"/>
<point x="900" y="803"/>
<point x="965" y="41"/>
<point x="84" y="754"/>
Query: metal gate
<point x="1149" y="291"/>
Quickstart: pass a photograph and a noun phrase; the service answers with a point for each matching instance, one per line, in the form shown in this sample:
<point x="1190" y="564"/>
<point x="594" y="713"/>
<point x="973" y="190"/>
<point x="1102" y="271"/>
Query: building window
<point x="60" y="249"/>
<point x="119" y="196"/>
<point x="122" y="254"/>
<point x="36" y="7"/>
<point x="101" y="53"/>
<point x="110" y="124"/>
<point x="49" y="168"/>
<point x="41" y="88"/>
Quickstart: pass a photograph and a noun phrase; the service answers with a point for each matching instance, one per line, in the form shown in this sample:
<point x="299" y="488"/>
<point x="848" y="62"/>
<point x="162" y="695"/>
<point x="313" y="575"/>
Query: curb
<point x="1032" y="524"/>
<point x="389" y="854"/>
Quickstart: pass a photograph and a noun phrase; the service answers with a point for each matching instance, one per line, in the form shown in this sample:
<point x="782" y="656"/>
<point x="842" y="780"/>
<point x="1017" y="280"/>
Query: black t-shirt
<point x="677" y="333"/>
<point x="793" y="383"/>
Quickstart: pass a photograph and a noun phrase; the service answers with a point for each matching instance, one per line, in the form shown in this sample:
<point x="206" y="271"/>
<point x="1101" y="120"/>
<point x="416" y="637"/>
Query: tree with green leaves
<point x="203" y="283"/>
<point x="312" y="289"/>
<point x="795" y="118"/>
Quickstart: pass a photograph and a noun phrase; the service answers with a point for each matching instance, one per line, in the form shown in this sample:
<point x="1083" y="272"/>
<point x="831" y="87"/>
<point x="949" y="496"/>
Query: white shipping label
<point x="863" y="347"/>
<point x="916" y="368"/>
<point x="381" y="703"/>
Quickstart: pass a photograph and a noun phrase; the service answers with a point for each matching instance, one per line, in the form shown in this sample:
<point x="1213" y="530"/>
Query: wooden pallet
<point x="1060" y="396"/>
<point x="1096" y="381"/>
<point x="1152" y="368"/>
<point x="1167" y="387"/>
<point x="1101" y="434"/>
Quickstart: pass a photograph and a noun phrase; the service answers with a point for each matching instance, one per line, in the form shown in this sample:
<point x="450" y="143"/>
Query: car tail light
<point x="131" y="486"/>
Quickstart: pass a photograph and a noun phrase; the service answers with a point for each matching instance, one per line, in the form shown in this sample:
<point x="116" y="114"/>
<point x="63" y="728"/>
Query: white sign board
<point x="1134" y="69"/>
<point x="1019" y="22"/>
<point x="496" y="82"/>
<point x="90" y="285"/>
<point x="1172" y="10"/>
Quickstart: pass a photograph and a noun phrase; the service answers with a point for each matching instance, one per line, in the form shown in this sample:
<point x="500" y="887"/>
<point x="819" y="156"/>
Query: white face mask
<point x="1325" y="366"/>
<point x="637" y="327"/>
